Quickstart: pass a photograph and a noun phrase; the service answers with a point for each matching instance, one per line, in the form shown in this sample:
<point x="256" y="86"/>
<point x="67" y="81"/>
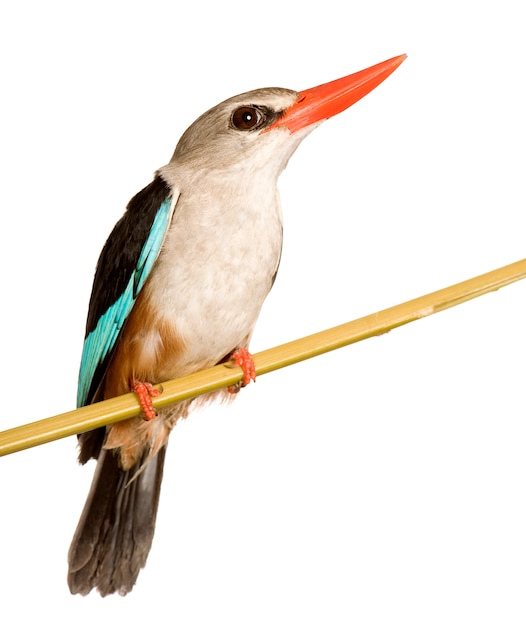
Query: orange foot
<point x="243" y="359"/>
<point x="145" y="392"/>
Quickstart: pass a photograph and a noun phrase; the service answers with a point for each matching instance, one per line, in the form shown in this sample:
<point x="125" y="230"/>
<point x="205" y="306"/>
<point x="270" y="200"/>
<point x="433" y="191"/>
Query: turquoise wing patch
<point x="101" y="341"/>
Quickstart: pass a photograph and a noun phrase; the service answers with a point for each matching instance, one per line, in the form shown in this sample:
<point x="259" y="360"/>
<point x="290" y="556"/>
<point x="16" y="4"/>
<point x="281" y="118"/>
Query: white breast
<point x="216" y="267"/>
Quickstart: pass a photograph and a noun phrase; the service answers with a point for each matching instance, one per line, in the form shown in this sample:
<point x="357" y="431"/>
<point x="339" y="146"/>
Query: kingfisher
<point x="178" y="288"/>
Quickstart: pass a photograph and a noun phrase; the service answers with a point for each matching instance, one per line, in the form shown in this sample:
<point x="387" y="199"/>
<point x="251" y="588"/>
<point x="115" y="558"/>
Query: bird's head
<point x="261" y="129"/>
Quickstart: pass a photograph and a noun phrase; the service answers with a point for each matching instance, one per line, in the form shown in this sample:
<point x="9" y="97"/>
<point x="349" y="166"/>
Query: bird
<point x="178" y="288"/>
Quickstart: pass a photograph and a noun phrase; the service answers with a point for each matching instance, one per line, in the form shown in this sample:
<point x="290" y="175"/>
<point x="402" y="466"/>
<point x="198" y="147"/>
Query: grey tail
<point x="115" y="531"/>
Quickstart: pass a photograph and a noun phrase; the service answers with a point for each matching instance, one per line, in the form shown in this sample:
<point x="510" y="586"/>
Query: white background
<point x="383" y="483"/>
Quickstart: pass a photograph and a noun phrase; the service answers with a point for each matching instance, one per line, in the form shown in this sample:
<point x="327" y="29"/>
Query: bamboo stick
<point x="125" y="406"/>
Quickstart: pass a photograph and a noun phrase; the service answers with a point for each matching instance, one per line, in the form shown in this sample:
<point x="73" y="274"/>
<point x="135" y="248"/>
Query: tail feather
<point x="116" y="528"/>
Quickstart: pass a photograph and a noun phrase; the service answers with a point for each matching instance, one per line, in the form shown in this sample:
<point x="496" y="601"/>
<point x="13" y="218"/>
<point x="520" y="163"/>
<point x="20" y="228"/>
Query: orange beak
<point x="319" y="103"/>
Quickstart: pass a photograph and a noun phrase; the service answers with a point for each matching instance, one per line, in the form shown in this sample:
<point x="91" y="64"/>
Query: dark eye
<point x="246" y="118"/>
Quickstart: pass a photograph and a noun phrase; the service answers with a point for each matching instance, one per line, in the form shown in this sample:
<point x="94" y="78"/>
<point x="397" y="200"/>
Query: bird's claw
<point x="145" y="392"/>
<point x="243" y="359"/>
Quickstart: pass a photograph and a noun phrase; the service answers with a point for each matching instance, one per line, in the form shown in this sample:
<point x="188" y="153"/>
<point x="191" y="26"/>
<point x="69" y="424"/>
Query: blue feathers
<point x="100" y="342"/>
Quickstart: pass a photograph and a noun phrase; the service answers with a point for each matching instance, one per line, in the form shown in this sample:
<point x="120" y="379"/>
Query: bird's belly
<point x="211" y="296"/>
